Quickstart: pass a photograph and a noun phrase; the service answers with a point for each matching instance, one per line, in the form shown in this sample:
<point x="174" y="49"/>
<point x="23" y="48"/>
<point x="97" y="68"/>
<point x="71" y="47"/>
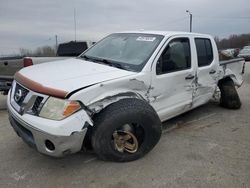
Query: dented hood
<point x="59" y="78"/>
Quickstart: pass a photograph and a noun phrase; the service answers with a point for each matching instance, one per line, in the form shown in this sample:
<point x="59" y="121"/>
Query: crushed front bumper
<point x="53" y="145"/>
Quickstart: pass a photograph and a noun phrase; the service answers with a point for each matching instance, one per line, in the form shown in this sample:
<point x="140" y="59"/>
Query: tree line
<point x="233" y="41"/>
<point x="45" y="51"/>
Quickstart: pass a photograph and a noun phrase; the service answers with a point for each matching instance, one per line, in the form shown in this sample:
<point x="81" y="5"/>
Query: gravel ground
<point x="207" y="147"/>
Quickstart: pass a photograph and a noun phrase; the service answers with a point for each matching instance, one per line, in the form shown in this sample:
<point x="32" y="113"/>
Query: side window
<point x="204" y="51"/>
<point x="175" y="57"/>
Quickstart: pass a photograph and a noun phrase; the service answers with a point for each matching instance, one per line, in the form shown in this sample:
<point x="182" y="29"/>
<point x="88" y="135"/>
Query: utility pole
<point x="56" y="44"/>
<point x="75" y="22"/>
<point x="56" y="41"/>
<point x="190" y="20"/>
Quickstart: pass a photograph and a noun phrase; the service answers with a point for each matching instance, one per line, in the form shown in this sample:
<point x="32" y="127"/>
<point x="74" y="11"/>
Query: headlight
<point x="58" y="109"/>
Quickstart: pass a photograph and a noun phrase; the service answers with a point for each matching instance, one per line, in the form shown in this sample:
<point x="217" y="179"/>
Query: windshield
<point x="245" y="50"/>
<point x="128" y="51"/>
<point x="246" y="47"/>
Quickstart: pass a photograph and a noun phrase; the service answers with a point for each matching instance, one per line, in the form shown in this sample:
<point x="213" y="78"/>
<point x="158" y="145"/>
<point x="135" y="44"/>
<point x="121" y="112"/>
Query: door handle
<point x="189" y="77"/>
<point x="212" y="71"/>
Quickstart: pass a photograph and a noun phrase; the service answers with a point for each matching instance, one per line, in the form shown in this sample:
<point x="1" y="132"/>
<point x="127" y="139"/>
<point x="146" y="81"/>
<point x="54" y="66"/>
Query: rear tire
<point x="128" y="118"/>
<point x="229" y="96"/>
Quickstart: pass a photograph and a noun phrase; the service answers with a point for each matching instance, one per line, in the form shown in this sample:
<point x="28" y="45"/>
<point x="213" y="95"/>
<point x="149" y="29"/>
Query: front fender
<point x="98" y="96"/>
<point x="98" y="105"/>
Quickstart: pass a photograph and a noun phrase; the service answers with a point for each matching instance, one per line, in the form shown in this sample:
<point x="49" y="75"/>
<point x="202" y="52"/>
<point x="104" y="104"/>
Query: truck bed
<point x="8" y="67"/>
<point x="233" y="68"/>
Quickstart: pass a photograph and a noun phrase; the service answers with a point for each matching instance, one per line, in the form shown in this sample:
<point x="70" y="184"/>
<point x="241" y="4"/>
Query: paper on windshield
<point x="147" y="39"/>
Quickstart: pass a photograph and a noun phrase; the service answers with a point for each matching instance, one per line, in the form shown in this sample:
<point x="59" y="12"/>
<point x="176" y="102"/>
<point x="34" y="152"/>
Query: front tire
<point x="125" y="130"/>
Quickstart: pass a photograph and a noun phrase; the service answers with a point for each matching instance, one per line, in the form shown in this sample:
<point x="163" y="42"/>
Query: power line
<point x="8" y="47"/>
<point x="176" y="20"/>
<point x="217" y="17"/>
<point x="30" y="45"/>
<point x="164" y="24"/>
<point x="38" y="44"/>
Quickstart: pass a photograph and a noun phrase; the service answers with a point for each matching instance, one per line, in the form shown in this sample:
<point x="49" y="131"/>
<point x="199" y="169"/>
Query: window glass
<point x="131" y="50"/>
<point x="209" y="51"/>
<point x="204" y="51"/>
<point x="175" y="57"/>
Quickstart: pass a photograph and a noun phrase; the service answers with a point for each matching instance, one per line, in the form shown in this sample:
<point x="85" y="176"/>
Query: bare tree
<point x="25" y="52"/>
<point x="47" y="51"/>
<point x="233" y="41"/>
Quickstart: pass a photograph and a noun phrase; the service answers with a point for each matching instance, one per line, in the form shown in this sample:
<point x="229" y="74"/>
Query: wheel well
<point x="100" y="108"/>
<point x="101" y="104"/>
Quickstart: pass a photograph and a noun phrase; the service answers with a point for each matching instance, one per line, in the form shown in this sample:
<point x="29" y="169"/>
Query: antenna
<point x="56" y="41"/>
<point x="75" y="22"/>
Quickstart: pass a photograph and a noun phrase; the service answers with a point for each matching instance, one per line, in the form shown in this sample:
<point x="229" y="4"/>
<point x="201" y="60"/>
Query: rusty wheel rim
<point x="125" y="141"/>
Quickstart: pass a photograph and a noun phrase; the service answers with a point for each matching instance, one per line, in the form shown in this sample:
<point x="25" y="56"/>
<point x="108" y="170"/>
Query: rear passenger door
<point x="172" y="76"/>
<point x="206" y="72"/>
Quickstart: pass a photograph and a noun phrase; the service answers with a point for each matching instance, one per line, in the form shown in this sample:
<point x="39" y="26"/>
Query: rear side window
<point x="204" y="51"/>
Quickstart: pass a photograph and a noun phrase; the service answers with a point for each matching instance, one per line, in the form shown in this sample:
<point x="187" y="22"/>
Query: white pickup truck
<point x="115" y="95"/>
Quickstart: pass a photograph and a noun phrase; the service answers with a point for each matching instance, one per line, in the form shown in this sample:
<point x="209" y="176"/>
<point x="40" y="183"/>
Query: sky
<point x="30" y="24"/>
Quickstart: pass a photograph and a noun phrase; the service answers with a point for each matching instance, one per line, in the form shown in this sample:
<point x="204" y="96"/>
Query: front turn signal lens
<point x="72" y="107"/>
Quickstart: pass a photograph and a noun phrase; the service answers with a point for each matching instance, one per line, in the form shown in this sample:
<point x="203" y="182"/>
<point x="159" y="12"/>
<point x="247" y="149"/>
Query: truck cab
<point x="189" y="64"/>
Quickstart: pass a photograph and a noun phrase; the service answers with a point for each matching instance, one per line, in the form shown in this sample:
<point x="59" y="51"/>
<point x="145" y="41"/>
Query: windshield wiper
<point x="89" y="58"/>
<point x="105" y="61"/>
<point x="113" y="64"/>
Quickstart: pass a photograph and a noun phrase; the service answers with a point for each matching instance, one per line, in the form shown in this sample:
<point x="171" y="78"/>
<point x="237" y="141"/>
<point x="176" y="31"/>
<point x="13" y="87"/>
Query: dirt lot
<point x="207" y="147"/>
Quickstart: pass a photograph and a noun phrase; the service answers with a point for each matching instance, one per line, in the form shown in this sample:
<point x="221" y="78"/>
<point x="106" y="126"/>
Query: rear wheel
<point x="229" y="96"/>
<point x="125" y="130"/>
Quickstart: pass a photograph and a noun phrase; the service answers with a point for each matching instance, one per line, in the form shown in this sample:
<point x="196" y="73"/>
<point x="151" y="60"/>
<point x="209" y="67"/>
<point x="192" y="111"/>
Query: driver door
<point x="172" y="79"/>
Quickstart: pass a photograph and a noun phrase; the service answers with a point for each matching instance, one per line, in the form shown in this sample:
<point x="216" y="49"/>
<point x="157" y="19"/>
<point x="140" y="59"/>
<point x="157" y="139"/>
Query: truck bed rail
<point x="231" y="61"/>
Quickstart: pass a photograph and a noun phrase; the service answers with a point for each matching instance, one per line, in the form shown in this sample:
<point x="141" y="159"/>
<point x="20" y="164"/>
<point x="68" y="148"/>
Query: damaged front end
<point x="53" y="126"/>
<point x="98" y="96"/>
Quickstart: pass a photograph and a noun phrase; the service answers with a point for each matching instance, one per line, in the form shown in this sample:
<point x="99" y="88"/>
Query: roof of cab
<point x="167" y="33"/>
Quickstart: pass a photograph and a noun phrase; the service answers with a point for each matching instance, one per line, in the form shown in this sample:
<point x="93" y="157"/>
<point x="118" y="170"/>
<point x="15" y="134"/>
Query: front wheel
<point x="125" y="130"/>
